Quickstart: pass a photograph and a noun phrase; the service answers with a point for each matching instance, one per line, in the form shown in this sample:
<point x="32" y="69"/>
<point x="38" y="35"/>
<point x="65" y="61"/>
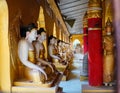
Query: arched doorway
<point x="75" y="42"/>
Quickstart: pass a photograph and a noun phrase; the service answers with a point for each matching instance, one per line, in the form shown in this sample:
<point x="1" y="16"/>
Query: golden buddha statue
<point x="26" y="54"/>
<point x="54" y="56"/>
<point x="53" y="53"/>
<point x="41" y="61"/>
<point x="62" y="52"/>
<point x="108" y="64"/>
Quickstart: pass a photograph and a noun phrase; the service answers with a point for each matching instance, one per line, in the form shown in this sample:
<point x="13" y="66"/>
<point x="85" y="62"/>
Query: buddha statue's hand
<point x="57" y="57"/>
<point x="42" y="71"/>
<point x="51" y="67"/>
<point x="46" y="59"/>
<point x="45" y="75"/>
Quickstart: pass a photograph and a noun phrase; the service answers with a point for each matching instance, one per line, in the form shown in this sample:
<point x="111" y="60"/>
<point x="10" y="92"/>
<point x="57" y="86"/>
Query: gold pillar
<point x="60" y="34"/>
<point x="5" y="83"/>
<point x="54" y="30"/>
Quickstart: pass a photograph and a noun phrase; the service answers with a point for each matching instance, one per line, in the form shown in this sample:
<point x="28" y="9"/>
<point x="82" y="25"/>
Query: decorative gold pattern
<point x="94" y="14"/>
<point x="85" y="22"/>
<point x="94" y="10"/>
<point x="94" y="3"/>
<point x="109" y="23"/>
<point x="108" y="10"/>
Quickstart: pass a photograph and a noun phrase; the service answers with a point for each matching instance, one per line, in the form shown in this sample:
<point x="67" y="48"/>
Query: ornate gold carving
<point x="85" y="22"/>
<point x="94" y="14"/>
<point x="109" y="23"/>
<point x="108" y="10"/>
<point x="85" y="16"/>
<point x="94" y="10"/>
<point x="109" y="26"/>
<point x="94" y="3"/>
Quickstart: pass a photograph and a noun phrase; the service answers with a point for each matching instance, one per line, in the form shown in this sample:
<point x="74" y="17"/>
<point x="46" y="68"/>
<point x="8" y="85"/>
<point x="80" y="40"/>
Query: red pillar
<point x="95" y="64"/>
<point x="85" y="32"/>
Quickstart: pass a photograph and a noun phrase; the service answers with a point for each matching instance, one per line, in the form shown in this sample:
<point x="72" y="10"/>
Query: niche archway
<point x="41" y="24"/>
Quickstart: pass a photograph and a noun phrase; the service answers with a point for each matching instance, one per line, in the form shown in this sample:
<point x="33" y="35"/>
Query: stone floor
<point x="73" y="85"/>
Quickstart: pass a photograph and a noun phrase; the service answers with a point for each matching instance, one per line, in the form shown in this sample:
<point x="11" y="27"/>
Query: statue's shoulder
<point x="22" y="42"/>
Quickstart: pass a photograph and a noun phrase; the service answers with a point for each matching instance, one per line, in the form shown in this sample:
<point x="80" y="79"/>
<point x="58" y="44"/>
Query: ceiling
<point x="73" y="12"/>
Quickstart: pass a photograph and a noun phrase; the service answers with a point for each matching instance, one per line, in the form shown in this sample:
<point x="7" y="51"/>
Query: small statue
<point x="108" y="64"/>
<point x="26" y="53"/>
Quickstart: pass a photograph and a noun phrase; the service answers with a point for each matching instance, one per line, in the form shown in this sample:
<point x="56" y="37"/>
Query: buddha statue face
<point x="56" y="41"/>
<point x="32" y="34"/>
<point x="60" y="43"/>
<point x="42" y="37"/>
<point x="52" y="41"/>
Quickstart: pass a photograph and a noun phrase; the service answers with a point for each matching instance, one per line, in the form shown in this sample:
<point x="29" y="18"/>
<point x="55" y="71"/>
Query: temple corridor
<point x="59" y="46"/>
<point x="73" y="85"/>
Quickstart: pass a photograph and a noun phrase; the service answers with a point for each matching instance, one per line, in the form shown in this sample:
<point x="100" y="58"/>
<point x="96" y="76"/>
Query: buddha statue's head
<point x="29" y="31"/>
<point x="41" y="33"/>
<point x="51" y="39"/>
<point x="28" y="28"/>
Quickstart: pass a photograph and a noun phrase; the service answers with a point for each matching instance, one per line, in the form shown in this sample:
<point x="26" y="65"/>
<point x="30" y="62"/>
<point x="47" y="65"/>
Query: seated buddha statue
<point x="56" y="46"/>
<point x="69" y="54"/>
<point x="40" y="55"/>
<point x="26" y="53"/>
<point x="62" y="52"/>
<point x="53" y="53"/>
<point x="56" y="58"/>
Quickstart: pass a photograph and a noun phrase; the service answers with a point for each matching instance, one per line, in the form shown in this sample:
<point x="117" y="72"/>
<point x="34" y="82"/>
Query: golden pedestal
<point x="30" y="89"/>
<point x="100" y="89"/>
<point x="23" y="86"/>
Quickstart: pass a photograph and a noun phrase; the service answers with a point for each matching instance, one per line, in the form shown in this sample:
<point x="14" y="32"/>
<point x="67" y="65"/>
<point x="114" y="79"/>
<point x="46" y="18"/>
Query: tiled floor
<point x="73" y="85"/>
